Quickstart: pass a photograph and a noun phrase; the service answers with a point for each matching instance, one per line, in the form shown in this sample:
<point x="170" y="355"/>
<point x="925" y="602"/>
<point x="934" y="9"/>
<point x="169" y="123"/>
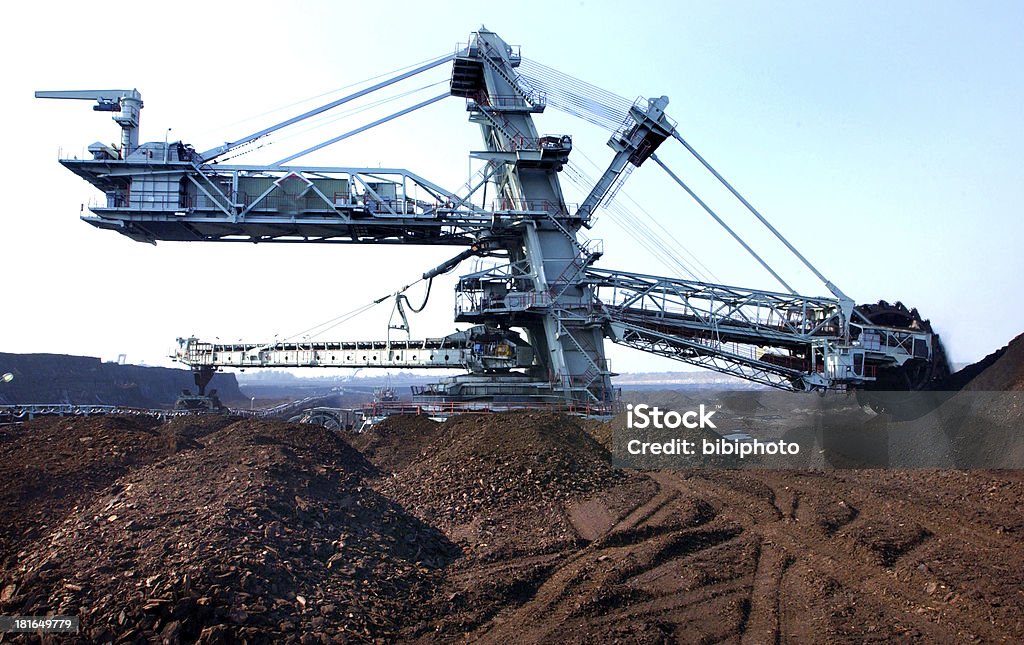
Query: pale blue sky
<point x="884" y="139"/>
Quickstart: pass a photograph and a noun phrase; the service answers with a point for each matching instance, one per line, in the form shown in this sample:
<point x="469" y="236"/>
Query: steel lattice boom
<point x="545" y="282"/>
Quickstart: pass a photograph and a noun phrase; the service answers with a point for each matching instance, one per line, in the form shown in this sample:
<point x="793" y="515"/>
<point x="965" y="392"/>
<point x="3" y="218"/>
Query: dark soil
<point x="52" y="464"/>
<point x="256" y="531"/>
<point x="496" y="528"/>
<point x="1006" y="372"/>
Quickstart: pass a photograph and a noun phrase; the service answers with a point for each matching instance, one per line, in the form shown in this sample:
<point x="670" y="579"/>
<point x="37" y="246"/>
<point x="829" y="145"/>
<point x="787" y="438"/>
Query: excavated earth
<point x="495" y="528"/>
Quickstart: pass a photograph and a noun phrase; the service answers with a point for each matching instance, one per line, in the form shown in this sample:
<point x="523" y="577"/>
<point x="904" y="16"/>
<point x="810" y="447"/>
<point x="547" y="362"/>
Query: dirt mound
<point x="397" y="441"/>
<point x="981" y="425"/>
<point x="600" y="431"/>
<point x="1004" y="373"/>
<point x="53" y="463"/>
<point x="486" y="480"/>
<point x="59" y="378"/>
<point x="517" y="491"/>
<point x="957" y="380"/>
<point x="261" y="531"/>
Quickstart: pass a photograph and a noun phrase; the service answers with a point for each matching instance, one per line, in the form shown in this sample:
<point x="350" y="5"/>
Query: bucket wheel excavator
<point x="540" y="312"/>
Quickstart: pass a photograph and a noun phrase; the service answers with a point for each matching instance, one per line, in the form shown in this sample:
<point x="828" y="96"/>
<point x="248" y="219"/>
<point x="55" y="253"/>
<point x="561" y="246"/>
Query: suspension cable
<point x="607" y="110"/>
<point x="316" y="96"/>
<point x="345" y="317"/>
<point x="833" y="288"/>
<point x="579" y="98"/>
<point x="213" y="153"/>
<point x="633" y="227"/>
<point x="667" y="253"/>
<point x="325" y="120"/>
<point x="722" y="223"/>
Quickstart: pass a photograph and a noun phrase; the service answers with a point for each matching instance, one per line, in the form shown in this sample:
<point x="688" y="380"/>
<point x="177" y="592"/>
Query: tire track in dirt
<point x="602" y="581"/>
<point x="716" y="555"/>
<point x="763" y="624"/>
<point x="837" y="559"/>
<point x="772" y="557"/>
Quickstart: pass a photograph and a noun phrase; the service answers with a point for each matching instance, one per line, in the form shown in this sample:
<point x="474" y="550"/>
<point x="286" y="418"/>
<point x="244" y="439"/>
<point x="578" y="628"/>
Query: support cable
<point x="633" y="227"/>
<point x="216" y="152"/>
<point x="576" y="97"/>
<point x="222" y="127"/>
<point x="360" y="129"/>
<point x="705" y="272"/>
<point x="325" y="120"/>
<point x="345" y="317"/>
<point x="316" y="124"/>
<point x="605" y="109"/>
<point x="833" y="288"/>
<point x="722" y="223"/>
<point x="530" y="69"/>
<point x="663" y="246"/>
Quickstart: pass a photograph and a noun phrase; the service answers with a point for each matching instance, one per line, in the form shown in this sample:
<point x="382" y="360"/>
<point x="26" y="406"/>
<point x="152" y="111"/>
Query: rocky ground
<point x="499" y="528"/>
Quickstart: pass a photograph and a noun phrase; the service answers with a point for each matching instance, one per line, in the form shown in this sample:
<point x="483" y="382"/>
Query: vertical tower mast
<point x="547" y="257"/>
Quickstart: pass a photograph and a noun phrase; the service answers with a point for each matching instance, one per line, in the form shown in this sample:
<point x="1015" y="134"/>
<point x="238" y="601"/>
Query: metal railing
<point x="452" y="408"/>
<point x="477" y="302"/>
<point x="28" y="411"/>
<point x="532" y="205"/>
<point x="510" y="101"/>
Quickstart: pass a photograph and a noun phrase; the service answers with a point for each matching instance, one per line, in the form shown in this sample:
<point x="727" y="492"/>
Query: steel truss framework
<point x="280" y="204"/>
<point x="727" y="329"/>
<point x="549" y="286"/>
<point x="479" y="347"/>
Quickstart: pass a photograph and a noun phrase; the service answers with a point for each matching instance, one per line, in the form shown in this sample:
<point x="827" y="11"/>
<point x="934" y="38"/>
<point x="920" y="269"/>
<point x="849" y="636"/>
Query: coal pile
<point x="1005" y="373"/>
<point x="497" y="528"/>
<point x="59" y="378"/>
<point x="54" y="463"/>
<point x="258" y="532"/>
<point x="487" y="480"/>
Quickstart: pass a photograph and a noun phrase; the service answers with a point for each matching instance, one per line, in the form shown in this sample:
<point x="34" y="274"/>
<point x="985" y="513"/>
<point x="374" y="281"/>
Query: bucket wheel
<point x="919" y="373"/>
<point x="897" y="390"/>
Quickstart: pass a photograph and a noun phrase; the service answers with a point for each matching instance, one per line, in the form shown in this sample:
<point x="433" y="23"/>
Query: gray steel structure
<point x="478" y="349"/>
<point x="548" y="286"/>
